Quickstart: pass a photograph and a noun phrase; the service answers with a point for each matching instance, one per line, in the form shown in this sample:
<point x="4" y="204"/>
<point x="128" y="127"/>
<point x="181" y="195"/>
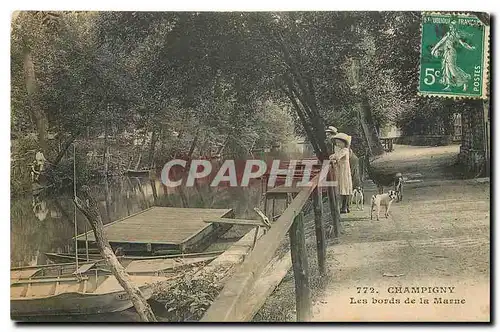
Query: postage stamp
<point x="454" y="56"/>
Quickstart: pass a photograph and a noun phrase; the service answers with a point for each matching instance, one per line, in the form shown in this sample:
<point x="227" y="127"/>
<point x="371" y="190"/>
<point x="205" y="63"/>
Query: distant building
<point x="300" y="145"/>
<point x="390" y="131"/>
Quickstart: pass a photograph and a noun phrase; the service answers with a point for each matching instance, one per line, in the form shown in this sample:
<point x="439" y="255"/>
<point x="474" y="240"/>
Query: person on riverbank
<point x="343" y="169"/>
<point x="331" y="131"/>
<point x="355" y="169"/>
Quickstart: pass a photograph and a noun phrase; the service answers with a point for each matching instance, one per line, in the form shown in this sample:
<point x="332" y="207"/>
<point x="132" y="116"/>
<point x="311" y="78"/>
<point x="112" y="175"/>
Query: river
<point x="44" y="223"/>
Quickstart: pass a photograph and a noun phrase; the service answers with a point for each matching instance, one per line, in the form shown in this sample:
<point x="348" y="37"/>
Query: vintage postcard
<point x="288" y="166"/>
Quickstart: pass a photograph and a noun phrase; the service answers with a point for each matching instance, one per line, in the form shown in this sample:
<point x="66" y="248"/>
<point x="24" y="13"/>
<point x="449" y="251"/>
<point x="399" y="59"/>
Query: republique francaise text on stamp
<point x="454" y="56"/>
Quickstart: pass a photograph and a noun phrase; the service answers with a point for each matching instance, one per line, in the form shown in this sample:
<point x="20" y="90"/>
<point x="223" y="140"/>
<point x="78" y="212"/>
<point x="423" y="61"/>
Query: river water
<point x="42" y="224"/>
<point x="45" y="223"/>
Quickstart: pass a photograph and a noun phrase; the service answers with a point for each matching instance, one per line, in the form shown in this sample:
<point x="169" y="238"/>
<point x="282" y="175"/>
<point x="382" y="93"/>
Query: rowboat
<point x="57" y="289"/>
<point x="87" y="291"/>
<point x="57" y="258"/>
<point x="134" y="265"/>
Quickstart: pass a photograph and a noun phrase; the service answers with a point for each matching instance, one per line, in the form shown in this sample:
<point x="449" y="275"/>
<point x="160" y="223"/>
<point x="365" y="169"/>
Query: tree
<point x="89" y="207"/>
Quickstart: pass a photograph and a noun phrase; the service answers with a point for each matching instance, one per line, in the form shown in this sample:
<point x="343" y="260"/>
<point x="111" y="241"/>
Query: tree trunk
<point x="317" y="197"/>
<point x="105" y="143"/>
<point x="138" y="161"/>
<point x="37" y="115"/>
<point x="184" y="199"/>
<point x="364" y="128"/>
<point x="200" y="193"/>
<point x="70" y="141"/>
<point x="367" y="120"/>
<point x="154" y="139"/>
<point x="108" y="199"/>
<point x="91" y="211"/>
<point x="183" y="196"/>
<point x="300" y="269"/>
<point x="143" y="195"/>
<point x="152" y="182"/>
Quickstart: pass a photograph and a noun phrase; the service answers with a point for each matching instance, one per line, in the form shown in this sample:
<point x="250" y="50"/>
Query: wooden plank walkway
<point x="158" y="265"/>
<point x="232" y="221"/>
<point x="161" y="226"/>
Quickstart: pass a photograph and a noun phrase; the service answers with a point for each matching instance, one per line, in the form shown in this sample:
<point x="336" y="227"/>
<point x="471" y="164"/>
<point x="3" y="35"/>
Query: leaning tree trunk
<point x="369" y="130"/>
<point x="88" y="206"/>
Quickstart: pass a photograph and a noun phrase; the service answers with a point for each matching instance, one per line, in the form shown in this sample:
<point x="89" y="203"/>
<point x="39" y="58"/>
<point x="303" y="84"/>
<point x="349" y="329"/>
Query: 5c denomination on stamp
<point x="454" y="56"/>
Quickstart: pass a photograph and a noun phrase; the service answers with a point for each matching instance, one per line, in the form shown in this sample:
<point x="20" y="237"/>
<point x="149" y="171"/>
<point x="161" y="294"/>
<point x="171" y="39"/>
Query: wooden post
<point x="272" y="210"/>
<point x="155" y="193"/>
<point x="334" y="207"/>
<point x="233" y="298"/>
<point x="265" y="179"/>
<point x="257" y="228"/>
<point x="152" y="182"/>
<point x="91" y="210"/>
<point x="320" y="230"/>
<point x="300" y="269"/>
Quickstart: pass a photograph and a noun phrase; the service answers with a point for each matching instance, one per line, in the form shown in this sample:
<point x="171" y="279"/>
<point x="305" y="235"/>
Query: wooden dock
<point x="160" y="230"/>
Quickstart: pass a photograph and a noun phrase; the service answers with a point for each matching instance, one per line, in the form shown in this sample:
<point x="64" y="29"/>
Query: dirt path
<point x="438" y="236"/>
<point x="436" y="162"/>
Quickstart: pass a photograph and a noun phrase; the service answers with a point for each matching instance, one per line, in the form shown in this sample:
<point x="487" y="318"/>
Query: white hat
<point x="331" y="129"/>
<point x="344" y="137"/>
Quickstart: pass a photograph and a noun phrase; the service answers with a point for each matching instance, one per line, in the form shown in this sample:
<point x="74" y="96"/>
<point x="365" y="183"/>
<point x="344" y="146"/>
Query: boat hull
<point x="66" y="258"/>
<point x="74" y="304"/>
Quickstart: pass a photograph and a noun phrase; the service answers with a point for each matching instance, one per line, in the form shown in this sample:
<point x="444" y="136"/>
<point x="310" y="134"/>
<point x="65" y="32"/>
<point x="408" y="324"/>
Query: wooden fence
<point x="232" y="303"/>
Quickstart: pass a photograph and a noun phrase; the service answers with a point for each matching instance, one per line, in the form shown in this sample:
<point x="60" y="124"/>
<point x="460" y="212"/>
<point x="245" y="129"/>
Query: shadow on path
<point x="439" y="162"/>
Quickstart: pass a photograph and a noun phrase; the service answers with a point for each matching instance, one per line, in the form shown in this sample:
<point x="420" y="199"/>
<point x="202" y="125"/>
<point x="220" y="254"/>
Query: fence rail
<point x="232" y="300"/>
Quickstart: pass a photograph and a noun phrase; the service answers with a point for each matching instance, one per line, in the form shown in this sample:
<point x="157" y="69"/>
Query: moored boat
<point x="86" y="292"/>
<point x="57" y="258"/>
<point x="70" y="258"/>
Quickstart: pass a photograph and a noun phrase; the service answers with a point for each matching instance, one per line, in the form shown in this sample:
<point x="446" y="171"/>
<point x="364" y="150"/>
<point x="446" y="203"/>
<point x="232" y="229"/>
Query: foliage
<point x="222" y="78"/>
<point x="23" y="153"/>
<point x="190" y="296"/>
<point x="278" y="312"/>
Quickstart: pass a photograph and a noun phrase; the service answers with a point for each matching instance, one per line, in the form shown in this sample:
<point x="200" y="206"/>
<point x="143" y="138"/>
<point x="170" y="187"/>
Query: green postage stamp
<point x="454" y="56"/>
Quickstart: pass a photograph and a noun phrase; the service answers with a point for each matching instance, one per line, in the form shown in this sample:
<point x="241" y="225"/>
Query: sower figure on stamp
<point x="451" y="73"/>
<point x="343" y="170"/>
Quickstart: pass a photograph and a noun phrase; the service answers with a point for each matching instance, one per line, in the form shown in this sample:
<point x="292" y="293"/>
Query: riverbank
<point x="437" y="236"/>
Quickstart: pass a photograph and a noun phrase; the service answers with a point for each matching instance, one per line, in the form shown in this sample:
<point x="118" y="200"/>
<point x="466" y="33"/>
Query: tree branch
<point x="305" y="125"/>
<point x="89" y="207"/>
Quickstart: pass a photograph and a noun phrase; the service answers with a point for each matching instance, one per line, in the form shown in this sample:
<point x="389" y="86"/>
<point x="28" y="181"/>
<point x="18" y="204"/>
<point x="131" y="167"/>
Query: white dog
<point x="357" y="198"/>
<point x="382" y="199"/>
